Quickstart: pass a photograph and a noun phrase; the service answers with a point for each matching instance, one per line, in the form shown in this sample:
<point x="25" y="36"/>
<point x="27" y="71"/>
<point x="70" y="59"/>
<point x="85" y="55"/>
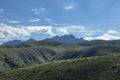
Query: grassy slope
<point x="97" y="42"/>
<point x="97" y="50"/>
<point x="15" y="56"/>
<point x="94" y="68"/>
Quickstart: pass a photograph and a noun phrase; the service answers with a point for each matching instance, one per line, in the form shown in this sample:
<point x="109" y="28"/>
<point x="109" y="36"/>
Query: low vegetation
<point x="94" y="68"/>
<point x="52" y="60"/>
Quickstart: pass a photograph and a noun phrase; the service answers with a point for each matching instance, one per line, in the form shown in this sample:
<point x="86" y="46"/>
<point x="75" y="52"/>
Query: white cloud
<point x="88" y="38"/>
<point x="39" y="10"/>
<point x="34" y="20"/>
<point x="69" y="7"/>
<point x="72" y="30"/>
<point x="14" y="22"/>
<point x="62" y="31"/>
<point x="39" y="29"/>
<point x="109" y="35"/>
<point x="25" y="31"/>
<point x="75" y="28"/>
<point x="9" y="32"/>
<point x="112" y="32"/>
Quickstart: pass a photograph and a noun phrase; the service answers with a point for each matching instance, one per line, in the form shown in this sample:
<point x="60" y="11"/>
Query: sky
<point x="40" y="19"/>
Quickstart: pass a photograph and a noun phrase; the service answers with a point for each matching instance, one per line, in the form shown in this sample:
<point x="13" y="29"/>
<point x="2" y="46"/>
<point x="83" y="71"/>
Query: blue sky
<point x="40" y="19"/>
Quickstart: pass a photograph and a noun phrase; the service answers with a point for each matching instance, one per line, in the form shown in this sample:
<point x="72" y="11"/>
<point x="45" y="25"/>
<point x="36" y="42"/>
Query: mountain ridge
<point x="15" y="42"/>
<point x="67" y="39"/>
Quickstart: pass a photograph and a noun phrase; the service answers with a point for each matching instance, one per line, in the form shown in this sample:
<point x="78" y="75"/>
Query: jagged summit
<point x="67" y="39"/>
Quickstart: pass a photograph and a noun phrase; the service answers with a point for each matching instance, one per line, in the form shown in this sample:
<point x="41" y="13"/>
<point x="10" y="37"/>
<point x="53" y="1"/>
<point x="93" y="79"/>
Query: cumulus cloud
<point x="9" y="32"/>
<point x="40" y="29"/>
<point x="112" y="32"/>
<point x="34" y="20"/>
<point x="109" y="35"/>
<point x="73" y="29"/>
<point x="38" y="11"/>
<point x="62" y="31"/>
<point x="14" y="22"/>
<point x="88" y="38"/>
<point x="69" y="7"/>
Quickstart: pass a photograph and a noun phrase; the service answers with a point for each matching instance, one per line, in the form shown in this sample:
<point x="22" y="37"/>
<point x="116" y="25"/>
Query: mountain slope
<point x="98" y="50"/>
<point x="98" y="42"/>
<point x="19" y="57"/>
<point x="95" y="68"/>
<point x="28" y="53"/>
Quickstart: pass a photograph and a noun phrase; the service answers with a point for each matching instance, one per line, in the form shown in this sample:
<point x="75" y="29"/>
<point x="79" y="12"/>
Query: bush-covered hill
<point x="98" y="42"/>
<point x="94" y="68"/>
<point x="29" y="53"/>
<point x="25" y="54"/>
<point x="98" y="50"/>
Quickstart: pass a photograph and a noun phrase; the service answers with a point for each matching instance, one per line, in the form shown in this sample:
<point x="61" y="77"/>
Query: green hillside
<point x="94" y="68"/>
<point x="25" y="54"/>
<point x="29" y="53"/>
<point x="98" y="42"/>
<point x="98" y="50"/>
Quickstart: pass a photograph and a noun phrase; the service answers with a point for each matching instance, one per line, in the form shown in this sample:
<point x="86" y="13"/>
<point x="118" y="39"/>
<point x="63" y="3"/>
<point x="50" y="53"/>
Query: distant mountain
<point x="30" y="40"/>
<point x="13" y="42"/>
<point x="67" y="39"/>
<point x="98" y="42"/>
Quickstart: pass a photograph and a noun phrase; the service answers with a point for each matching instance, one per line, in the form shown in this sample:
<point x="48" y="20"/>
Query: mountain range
<point x="65" y="39"/>
<point x="14" y="42"/>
